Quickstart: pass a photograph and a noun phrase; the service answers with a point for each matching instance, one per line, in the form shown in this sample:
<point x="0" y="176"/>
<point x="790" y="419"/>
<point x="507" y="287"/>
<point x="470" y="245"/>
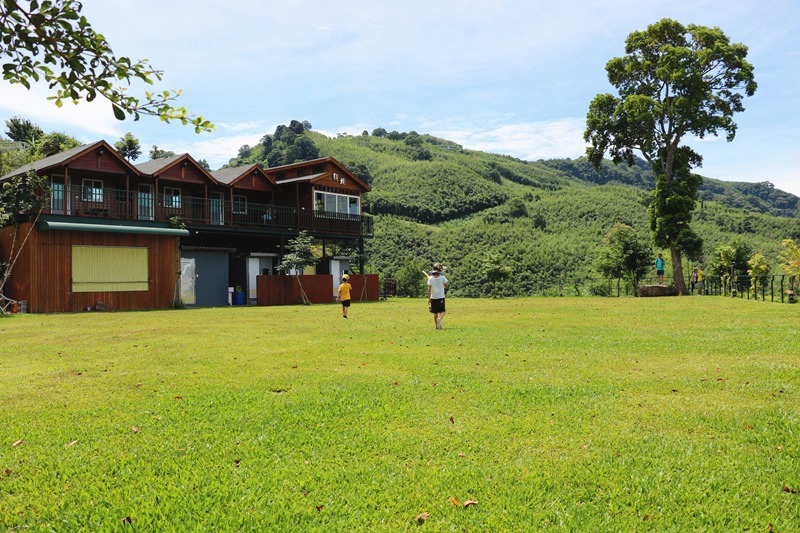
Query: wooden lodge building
<point x="119" y="236"/>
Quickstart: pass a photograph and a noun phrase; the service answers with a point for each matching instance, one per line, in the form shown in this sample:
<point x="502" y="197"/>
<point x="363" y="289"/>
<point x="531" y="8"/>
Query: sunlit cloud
<point x="529" y="141"/>
<point x="85" y="121"/>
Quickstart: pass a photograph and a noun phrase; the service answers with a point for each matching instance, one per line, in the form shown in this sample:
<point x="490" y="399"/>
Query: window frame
<point x="336" y="200"/>
<point x="169" y="199"/>
<point x="239" y="204"/>
<point x="90" y="192"/>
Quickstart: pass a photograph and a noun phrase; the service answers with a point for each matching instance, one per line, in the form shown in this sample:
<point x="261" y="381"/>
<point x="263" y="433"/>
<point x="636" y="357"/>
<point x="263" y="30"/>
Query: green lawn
<point x="587" y="414"/>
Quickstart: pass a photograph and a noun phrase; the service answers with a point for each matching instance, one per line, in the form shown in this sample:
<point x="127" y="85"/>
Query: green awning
<point x="111" y="228"/>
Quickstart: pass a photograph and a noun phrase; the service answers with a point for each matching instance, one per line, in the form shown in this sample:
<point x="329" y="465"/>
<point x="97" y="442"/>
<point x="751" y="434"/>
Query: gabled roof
<point x="154" y="167"/>
<point x="283" y="168"/>
<point x="65" y="158"/>
<point x="301" y="164"/>
<point x="231" y="175"/>
<point x="157" y="166"/>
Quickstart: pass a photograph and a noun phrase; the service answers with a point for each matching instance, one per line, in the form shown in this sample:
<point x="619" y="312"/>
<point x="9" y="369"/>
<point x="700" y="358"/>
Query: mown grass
<point x="668" y="414"/>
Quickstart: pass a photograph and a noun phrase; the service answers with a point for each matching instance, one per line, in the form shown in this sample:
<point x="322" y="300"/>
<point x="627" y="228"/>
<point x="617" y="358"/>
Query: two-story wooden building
<point x="120" y="236"/>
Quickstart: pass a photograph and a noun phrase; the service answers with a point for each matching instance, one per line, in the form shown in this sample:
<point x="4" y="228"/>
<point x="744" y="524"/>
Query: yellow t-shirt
<point x="344" y="291"/>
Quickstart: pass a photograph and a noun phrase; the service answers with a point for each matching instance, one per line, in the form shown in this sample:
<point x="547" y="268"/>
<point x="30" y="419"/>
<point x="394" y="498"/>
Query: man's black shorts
<point x="437" y="305"/>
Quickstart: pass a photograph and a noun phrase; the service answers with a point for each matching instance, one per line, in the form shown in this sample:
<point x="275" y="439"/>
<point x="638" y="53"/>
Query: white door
<point x="253" y="270"/>
<point x="336" y="275"/>
<point x="258" y="265"/>
<point x="188" y="274"/>
<point x="338" y="268"/>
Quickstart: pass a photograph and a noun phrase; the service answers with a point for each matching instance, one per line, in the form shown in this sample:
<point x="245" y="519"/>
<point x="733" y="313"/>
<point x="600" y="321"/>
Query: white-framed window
<point x="172" y="197"/>
<point x="329" y="202"/>
<point x="92" y="190"/>
<point x="239" y="204"/>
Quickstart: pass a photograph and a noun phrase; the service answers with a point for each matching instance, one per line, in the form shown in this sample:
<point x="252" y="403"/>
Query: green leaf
<point x="118" y="112"/>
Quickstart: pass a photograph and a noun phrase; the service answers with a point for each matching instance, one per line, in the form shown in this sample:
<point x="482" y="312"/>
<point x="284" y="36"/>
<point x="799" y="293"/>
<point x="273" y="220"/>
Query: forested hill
<point x="434" y="200"/>
<point x="761" y="197"/>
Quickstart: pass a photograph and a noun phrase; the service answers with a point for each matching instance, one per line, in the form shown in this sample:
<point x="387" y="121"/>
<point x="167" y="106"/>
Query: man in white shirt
<point x="437" y="284"/>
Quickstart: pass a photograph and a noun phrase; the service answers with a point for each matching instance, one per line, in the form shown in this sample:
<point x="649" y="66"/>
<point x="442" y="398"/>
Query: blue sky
<point x="512" y="77"/>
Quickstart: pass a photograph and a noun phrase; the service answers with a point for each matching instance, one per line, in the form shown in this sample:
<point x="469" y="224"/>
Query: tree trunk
<point x="306" y="301"/>
<point x="677" y="269"/>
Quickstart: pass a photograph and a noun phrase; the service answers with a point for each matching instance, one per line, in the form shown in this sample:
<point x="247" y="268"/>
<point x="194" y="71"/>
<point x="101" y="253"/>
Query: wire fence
<point x="780" y="288"/>
<point x="776" y="288"/>
<point x="773" y="288"/>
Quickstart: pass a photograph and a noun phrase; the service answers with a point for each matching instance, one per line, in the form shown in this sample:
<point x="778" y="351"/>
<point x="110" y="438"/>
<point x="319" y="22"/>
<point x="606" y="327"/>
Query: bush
<point x="602" y="288"/>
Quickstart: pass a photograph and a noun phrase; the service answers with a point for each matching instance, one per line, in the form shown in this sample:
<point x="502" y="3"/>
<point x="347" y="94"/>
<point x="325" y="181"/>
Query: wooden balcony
<point x="131" y="205"/>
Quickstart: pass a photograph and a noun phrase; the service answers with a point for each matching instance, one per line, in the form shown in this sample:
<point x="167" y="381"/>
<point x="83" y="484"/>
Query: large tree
<point x="52" y="41"/>
<point x="674" y="81"/>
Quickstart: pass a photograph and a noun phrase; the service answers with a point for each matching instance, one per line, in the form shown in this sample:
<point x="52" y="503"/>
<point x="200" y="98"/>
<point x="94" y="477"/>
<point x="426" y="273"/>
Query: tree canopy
<point x="287" y="145"/>
<point x="129" y="147"/>
<point x="158" y="153"/>
<point x="623" y="255"/>
<point x="674" y="81"/>
<point x="50" y="40"/>
<point x="23" y="130"/>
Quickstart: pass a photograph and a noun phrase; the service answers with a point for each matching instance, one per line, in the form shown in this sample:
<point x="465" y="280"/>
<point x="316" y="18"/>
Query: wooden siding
<point x="349" y="186"/>
<point x="284" y="290"/>
<point x="93" y="161"/>
<point x="43" y="274"/>
<point x="188" y="173"/>
<point x="254" y="181"/>
<point x="359" y="293"/>
<point x="18" y="286"/>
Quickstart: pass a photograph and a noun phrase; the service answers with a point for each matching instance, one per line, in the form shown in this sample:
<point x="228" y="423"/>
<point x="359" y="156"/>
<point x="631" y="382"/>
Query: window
<point x="172" y="198"/>
<point x="336" y="203"/>
<point x="92" y="191"/>
<point x="239" y="204"/>
<point x="109" y="269"/>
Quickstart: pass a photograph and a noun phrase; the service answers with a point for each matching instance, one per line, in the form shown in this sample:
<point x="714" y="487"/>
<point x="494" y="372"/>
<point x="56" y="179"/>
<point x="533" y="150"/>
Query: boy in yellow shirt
<point x="344" y="295"/>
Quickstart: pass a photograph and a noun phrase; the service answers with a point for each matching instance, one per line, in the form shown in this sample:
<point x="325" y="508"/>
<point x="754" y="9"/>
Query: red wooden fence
<point x="284" y="290"/>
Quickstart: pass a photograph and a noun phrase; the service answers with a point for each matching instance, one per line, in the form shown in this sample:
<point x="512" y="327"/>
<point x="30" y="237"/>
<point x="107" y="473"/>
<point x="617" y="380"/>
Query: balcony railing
<point x="141" y="205"/>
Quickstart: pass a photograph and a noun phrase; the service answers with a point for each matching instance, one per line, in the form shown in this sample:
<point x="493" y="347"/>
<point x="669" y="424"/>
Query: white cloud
<point x="217" y="151"/>
<point x="85" y="121"/>
<point x="529" y="141"/>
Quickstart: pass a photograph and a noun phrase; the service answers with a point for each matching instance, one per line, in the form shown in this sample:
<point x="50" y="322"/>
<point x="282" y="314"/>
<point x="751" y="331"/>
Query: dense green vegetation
<point x="579" y="414"/>
<point x="544" y="219"/>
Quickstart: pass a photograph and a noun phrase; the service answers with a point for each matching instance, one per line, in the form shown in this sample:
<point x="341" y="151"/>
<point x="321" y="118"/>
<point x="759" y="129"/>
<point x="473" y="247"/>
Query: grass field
<point x="579" y="414"/>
